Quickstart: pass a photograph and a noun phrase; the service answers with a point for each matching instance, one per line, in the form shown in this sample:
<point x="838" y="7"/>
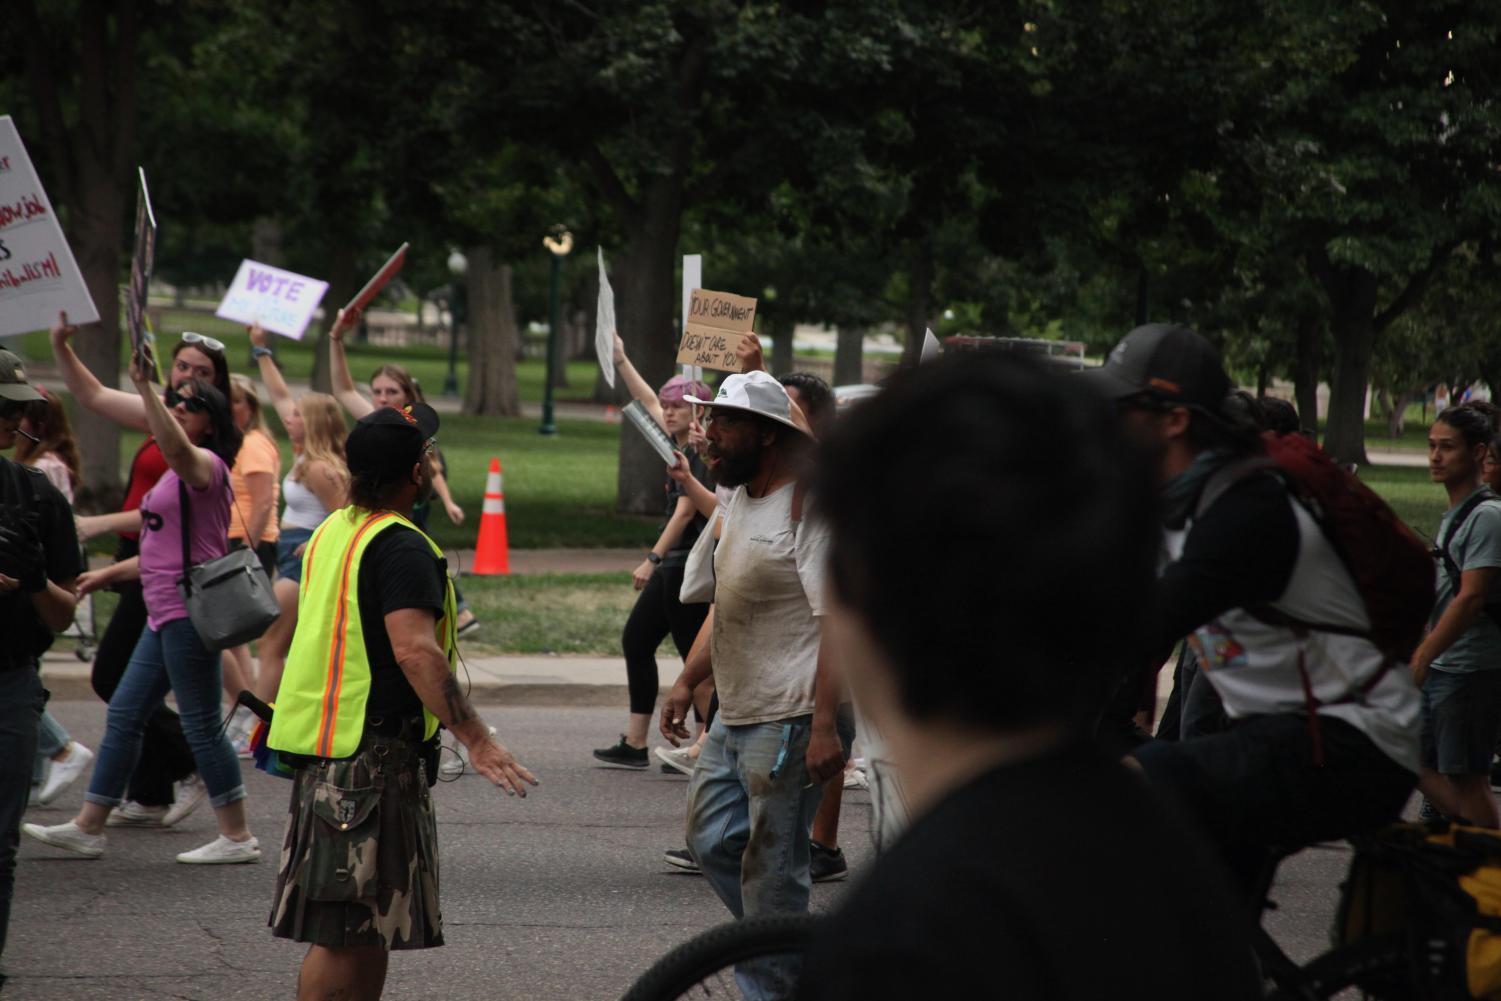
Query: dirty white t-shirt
<point x="768" y="594"/>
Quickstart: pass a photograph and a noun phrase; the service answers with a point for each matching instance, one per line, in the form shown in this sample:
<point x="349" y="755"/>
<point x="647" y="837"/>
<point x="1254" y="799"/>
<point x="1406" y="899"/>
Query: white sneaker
<point x="68" y="837"/>
<point x="133" y="814"/>
<point x="222" y="851"/>
<point x="454" y="765"/>
<point x="188" y="795"/>
<point x="64" y="773"/>
<point x="241" y="743"/>
<point x="680" y="758"/>
<point x="855" y="778"/>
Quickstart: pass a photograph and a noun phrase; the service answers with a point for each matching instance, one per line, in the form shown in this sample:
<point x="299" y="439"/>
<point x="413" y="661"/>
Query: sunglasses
<point x="199" y="340"/>
<point x="192" y="403"/>
<point x="724" y="418"/>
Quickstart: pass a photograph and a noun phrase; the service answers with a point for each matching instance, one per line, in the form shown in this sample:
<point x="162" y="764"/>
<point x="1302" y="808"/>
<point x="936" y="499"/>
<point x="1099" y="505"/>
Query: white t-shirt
<point x="768" y="594"/>
<point x="1253" y="665"/>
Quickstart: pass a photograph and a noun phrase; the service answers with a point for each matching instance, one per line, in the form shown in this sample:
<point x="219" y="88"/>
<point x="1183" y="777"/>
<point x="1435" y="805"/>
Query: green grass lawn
<point x="1417" y="499"/>
<point x="552" y="613"/>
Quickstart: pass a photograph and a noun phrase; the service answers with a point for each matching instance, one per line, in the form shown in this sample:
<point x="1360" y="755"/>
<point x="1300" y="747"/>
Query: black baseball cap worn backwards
<point x="387" y="442"/>
<point x="1168" y="361"/>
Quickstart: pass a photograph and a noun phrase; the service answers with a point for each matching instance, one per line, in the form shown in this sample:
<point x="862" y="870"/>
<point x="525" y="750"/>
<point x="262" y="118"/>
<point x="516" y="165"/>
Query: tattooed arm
<point x="416" y="648"/>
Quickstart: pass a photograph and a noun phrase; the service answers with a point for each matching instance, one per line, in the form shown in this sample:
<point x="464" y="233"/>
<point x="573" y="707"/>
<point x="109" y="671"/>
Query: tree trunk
<point x="1143" y="304"/>
<point x="1354" y="329"/>
<point x="918" y="305"/>
<point x="343" y="283"/>
<point x="849" y="345"/>
<point x="96" y="234"/>
<point x="781" y="346"/>
<point x="491" y="390"/>
<point x="1306" y="372"/>
<point x="647" y="301"/>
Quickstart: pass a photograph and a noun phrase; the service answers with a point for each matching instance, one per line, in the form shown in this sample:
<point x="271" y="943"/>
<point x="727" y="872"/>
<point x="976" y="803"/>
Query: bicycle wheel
<point x="1378" y="969"/>
<point x="705" y="965"/>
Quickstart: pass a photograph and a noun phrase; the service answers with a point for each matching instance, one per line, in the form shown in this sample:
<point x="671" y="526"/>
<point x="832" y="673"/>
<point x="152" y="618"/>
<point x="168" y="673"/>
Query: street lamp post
<point x="558" y="242"/>
<point x="457" y="266"/>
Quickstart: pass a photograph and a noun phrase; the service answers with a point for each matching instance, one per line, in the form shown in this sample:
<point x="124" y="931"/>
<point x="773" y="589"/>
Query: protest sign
<point x="716" y="324"/>
<point x="281" y="301"/>
<point x="604" y="324"/>
<point x="38" y="276"/>
<point x="638" y="418"/>
<point x="693" y="277"/>
<point x="382" y="278"/>
<point x="142" y="259"/>
<point x="930" y="348"/>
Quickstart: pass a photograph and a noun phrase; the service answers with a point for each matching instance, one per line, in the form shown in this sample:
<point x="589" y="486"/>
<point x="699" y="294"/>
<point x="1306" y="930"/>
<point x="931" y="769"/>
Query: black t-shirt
<point x="27" y="495"/>
<point x="1059" y="878"/>
<point x="398" y="571"/>
<point x="676" y="490"/>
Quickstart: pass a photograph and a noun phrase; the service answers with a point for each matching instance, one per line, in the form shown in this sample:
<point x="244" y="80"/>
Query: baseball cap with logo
<point x="386" y="443"/>
<point x="13" y="384"/>
<point x="754" y="393"/>
<point x="1166" y="361"/>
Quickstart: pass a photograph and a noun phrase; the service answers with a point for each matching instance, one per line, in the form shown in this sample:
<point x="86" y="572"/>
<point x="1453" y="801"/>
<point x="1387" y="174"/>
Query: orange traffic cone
<point x="492" y="554"/>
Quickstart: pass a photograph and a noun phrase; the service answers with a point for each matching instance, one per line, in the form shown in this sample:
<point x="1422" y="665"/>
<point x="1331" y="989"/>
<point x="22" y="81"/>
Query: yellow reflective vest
<point x="320" y="706"/>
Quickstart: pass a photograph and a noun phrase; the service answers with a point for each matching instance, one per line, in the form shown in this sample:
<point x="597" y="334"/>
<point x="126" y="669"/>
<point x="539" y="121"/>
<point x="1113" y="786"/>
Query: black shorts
<point x="1461" y="716"/>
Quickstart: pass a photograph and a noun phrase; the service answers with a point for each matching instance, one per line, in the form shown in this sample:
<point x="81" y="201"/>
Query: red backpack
<point x="1392" y="568"/>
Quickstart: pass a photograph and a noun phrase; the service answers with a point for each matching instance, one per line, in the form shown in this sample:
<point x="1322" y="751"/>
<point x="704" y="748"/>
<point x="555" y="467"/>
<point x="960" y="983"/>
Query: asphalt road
<point x="562" y="895"/>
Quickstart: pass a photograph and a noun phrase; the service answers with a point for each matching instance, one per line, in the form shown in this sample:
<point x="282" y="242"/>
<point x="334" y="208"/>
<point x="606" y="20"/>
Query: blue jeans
<point x="21" y="702"/>
<point x="50" y="738"/>
<point x="174" y="659"/>
<point x="750" y="810"/>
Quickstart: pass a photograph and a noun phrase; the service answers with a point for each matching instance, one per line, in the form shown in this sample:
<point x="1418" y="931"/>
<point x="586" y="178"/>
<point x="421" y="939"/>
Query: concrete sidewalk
<point x="532" y="680"/>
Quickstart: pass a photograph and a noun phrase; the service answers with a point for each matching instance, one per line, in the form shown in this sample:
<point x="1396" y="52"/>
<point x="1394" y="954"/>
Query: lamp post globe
<point x="458" y="265"/>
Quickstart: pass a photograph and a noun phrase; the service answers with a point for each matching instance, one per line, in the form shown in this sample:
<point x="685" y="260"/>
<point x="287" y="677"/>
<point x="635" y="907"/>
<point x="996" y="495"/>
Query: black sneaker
<point x="680" y="859"/>
<point x="826" y="864"/>
<point x="622" y="755"/>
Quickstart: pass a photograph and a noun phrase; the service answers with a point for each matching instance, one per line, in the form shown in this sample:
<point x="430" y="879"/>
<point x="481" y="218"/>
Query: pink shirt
<point x="161" y="539"/>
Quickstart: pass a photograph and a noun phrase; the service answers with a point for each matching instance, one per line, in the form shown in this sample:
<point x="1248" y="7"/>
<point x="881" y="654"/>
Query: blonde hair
<point x="402" y="378"/>
<point x="243" y="385"/>
<point x="323" y="435"/>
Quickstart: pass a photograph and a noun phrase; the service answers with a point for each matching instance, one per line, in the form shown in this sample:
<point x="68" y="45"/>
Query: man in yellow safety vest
<point x="368" y="680"/>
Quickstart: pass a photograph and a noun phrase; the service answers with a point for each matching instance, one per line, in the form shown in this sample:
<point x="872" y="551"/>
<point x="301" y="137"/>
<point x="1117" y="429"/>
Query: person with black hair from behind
<point x="986" y="682"/>
<point x="1458" y="664"/>
<point x="1248" y="571"/>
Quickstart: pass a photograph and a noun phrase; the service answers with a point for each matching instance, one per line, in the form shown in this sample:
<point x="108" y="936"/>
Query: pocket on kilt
<point x="344" y="848"/>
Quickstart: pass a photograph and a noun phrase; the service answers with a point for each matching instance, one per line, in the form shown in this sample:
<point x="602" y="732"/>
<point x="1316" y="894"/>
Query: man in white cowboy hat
<point x="760" y="774"/>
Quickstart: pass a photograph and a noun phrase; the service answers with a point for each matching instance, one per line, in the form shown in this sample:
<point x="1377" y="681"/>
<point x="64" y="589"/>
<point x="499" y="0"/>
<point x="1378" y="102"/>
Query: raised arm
<point x="702" y="497"/>
<point x="122" y="408"/>
<point x="345" y="392"/>
<point x="281" y="396"/>
<point x="195" y="465"/>
<point x="638" y="386"/>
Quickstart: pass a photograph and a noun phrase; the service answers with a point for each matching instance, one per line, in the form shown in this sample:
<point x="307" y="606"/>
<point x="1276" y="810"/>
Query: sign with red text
<point x="38" y="276"/>
<point x="715" y="325"/>
<point x="281" y="301"/>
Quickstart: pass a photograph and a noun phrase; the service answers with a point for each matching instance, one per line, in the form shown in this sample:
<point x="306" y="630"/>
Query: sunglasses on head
<point x="193" y="404"/>
<point x="199" y="340"/>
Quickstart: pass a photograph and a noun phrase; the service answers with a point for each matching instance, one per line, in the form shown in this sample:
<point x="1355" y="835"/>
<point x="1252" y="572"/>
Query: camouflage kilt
<point x="359" y="866"/>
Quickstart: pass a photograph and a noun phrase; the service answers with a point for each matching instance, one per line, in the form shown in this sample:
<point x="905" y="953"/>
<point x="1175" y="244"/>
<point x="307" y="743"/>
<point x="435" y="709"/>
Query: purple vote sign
<point x="281" y="301"/>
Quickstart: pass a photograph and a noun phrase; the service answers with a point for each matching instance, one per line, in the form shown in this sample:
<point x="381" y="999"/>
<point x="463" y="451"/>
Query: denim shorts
<point x="1461" y="714"/>
<point x="288" y="560"/>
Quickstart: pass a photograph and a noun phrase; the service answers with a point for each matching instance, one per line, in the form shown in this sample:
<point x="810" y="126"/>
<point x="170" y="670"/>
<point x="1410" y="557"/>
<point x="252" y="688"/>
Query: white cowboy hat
<point x="754" y="393"/>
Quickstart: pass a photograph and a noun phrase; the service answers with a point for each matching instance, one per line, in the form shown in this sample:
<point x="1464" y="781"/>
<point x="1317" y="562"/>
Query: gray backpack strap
<point x="1227" y="477"/>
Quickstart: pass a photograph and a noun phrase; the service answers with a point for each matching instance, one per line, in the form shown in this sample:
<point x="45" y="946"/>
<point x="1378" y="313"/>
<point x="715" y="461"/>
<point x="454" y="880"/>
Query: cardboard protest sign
<point x="604" y="324"/>
<point x="38" y="276"/>
<point x="715" y="325"/>
<point x="142" y="259"/>
<point x="382" y="278"/>
<point x="281" y="301"/>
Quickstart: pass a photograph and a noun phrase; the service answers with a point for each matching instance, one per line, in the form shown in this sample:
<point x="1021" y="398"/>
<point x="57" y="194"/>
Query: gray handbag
<point x="229" y="598"/>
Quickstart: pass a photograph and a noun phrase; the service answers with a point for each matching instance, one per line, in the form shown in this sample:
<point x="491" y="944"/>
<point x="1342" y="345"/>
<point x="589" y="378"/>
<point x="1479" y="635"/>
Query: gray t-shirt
<point x="768" y="594"/>
<point x="1475" y="546"/>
